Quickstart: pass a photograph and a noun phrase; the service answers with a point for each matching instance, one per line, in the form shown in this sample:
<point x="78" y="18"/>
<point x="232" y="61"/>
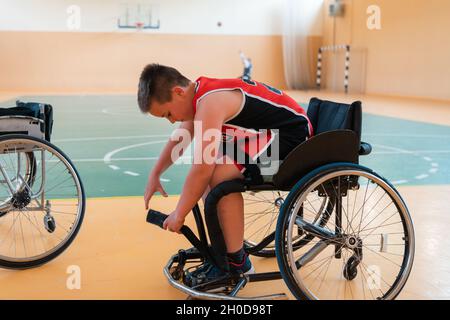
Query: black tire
<point x="299" y="191"/>
<point x="82" y="206"/>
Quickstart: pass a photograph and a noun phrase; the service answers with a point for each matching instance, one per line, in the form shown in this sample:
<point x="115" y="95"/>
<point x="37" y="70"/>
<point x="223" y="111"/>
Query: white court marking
<point x="112" y="138"/>
<point x="432" y="170"/>
<point x="125" y="113"/>
<point x="414" y="152"/>
<point x="107" y="158"/>
<point x="131" y="173"/>
<point x="444" y="136"/>
<point x="122" y="159"/>
<point x="397" y="182"/>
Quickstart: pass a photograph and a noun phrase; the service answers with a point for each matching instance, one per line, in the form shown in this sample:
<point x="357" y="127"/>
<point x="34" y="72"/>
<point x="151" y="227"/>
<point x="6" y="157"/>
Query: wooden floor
<point x="121" y="257"/>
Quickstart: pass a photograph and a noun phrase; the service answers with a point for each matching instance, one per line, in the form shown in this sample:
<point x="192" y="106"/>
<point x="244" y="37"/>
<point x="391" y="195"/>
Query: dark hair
<point x="156" y="83"/>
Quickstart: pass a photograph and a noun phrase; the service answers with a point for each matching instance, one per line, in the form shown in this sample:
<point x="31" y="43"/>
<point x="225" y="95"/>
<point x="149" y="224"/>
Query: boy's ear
<point x="178" y="90"/>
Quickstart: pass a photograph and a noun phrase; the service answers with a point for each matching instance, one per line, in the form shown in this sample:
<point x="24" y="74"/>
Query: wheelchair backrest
<point x="30" y="118"/>
<point x="337" y="138"/>
<point x="327" y="116"/>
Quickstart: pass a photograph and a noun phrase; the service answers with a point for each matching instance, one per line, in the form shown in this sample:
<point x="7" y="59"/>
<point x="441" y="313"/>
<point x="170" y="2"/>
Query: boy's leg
<point x="205" y="194"/>
<point x="230" y="208"/>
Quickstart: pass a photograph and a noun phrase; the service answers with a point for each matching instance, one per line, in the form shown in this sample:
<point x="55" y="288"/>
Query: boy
<point x="216" y="104"/>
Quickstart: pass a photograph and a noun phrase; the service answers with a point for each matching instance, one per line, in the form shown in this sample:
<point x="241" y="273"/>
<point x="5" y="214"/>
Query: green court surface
<point x="114" y="146"/>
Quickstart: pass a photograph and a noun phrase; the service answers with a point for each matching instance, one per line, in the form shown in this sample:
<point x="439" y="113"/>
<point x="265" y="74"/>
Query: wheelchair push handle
<point x="155" y="217"/>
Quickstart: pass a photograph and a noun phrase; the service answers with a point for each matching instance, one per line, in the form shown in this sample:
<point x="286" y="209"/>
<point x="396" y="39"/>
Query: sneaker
<point x="209" y="272"/>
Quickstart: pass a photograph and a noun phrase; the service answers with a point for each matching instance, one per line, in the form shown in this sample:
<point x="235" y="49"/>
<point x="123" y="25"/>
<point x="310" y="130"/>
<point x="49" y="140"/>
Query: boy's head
<point x="165" y="92"/>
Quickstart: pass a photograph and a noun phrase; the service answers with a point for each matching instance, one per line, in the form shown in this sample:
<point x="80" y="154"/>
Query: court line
<point x="397" y="182"/>
<point x="412" y="152"/>
<point x="112" y="138"/>
<point x="106" y="111"/>
<point x="107" y="158"/>
<point x="120" y="159"/>
<point x="406" y="135"/>
<point x="433" y="169"/>
<point x="131" y="173"/>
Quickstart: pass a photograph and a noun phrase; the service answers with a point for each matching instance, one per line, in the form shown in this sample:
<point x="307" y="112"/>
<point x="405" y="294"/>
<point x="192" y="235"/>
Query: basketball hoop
<point x="139" y="25"/>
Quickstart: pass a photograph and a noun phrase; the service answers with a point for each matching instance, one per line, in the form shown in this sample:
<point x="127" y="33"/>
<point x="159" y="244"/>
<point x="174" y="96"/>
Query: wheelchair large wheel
<point x="42" y="199"/>
<point x="365" y="250"/>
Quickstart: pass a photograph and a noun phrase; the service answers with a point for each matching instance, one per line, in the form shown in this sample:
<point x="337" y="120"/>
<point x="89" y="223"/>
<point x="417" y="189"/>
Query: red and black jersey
<point x="263" y="107"/>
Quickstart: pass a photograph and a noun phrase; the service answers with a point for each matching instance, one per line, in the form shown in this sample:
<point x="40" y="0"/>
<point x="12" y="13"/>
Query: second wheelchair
<point x="42" y="200"/>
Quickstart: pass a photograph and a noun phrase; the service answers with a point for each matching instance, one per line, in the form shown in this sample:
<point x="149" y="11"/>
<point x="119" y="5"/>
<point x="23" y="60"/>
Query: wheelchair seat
<point x="337" y="138"/>
<point x="30" y="118"/>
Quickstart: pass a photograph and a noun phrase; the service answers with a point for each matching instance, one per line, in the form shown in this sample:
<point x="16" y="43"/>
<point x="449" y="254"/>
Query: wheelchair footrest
<point x="222" y="288"/>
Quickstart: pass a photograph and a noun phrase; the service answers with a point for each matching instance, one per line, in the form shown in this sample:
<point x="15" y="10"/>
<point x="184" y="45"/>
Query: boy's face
<point x="179" y="109"/>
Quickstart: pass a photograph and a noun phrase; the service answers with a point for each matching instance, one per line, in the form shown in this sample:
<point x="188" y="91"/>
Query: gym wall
<point x="409" y="56"/>
<point x="39" y="53"/>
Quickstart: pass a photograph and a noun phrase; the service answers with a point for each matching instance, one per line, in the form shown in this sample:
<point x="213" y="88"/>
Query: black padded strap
<point x="252" y="174"/>
<point x="219" y="249"/>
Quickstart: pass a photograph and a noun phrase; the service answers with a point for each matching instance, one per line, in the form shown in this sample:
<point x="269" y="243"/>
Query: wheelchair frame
<point x="36" y="128"/>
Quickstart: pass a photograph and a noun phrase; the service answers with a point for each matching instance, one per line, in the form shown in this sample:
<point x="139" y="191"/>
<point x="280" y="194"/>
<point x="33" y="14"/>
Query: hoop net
<point x="139" y="25"/>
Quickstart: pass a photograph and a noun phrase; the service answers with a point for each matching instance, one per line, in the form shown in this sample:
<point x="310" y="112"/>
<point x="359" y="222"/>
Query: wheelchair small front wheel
<point x="365" y="250"/>
<point x="42" y="201"/>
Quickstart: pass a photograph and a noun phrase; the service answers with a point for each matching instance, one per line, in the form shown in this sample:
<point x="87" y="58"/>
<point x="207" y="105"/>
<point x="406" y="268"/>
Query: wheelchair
<point x="338" y="230"/>
<point x="42" y="200"/>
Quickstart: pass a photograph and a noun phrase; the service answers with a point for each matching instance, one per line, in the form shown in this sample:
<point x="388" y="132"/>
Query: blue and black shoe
<point x="208" y="272"/>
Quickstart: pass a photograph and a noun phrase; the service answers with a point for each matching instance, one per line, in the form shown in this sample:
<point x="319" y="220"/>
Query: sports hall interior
<point x="72" y="55"/>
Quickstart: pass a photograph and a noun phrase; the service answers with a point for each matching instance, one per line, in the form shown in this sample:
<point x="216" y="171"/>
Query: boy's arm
<point x="165" y="160"/>
<point x="212" y="116"/>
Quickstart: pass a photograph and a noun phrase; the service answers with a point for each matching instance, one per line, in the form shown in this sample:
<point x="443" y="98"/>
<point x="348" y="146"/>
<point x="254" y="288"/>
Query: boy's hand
<point x="153" y="185"/>
<point x="174" y="222"/>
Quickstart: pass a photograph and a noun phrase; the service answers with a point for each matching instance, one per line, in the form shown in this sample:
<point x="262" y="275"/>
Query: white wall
<point x="251" y="17"/>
